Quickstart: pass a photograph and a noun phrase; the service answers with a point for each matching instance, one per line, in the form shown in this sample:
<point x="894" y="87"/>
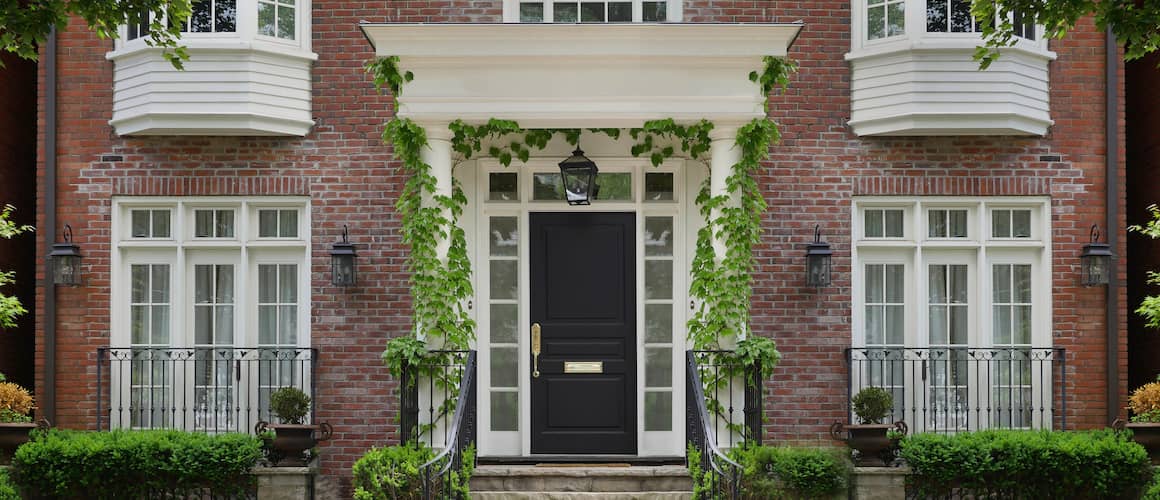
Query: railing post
<point x="754" y="402"/>
<point x="406" y="401"/>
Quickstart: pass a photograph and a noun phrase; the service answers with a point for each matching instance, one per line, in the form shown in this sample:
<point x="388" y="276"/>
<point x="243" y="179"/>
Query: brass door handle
<point x="535" y="350"/>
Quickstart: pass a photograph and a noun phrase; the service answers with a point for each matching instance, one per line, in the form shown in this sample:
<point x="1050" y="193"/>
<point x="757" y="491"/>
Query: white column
<point x="437" y="154"/>
<point x="723" y="154"/>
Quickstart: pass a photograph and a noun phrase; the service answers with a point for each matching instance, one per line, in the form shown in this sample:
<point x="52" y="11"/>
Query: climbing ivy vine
<point x="721" y="284"/>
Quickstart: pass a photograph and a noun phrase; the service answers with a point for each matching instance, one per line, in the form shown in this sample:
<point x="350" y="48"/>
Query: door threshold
<point x="582" y="459"/>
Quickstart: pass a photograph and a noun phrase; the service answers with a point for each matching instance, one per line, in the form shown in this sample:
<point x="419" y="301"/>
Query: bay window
<point x="587" y="11"/>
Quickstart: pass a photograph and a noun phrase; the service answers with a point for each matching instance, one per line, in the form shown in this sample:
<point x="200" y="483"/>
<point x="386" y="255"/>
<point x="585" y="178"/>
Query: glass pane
<point x="504" y="323"/>
<point x="202" y="284"/>
<point x="503" y="186"/>
<point x="547" y="186"/>
<point x="160" y="223"/>
<point x="1001" y="283"/>
<point x="592" y="12"/>
<point x="139" y="276"/>
<point x="938" y="325"/>
<point x="531" y="13"/>
<point x="1022" y="285"/>
<point x="873" y="223"/>
<point x="658" y="411"/>
<point x="619" y="12"/>
<point x="957" y="223"/>
<point x="160" y="283"/>
<point x="876" y="22"/>
<point x="267" y="325"/>
<point x="658" y="186"/>
<point x="658" y="323"/>
<point x="288" y="223"/>
<point x="1021" y="325"/>
<point x="225" y="15"/>
<point x="658" y="367"/>
<point x="225" y="284"/>
<point x="895" y="287"/>
<point x="1021" y="223"/>
<point x="265" y="19"/>
<point x="961" y="20"/>
<point x="140" y="224"/>
<point x="505" y="236"/>
<point x="267" y="223"/>
<point x="288" y="325"/>
<point x="937" y="223"/>
<point x="224" y="325"/>
<point x="895" y="19"/>
<point x="202" y="325"/>
<point x="875" y="284"/>
<point x="614" y="186"/>
<point x="288" y="292"/>
<point x="1000" y="223"/>
<point x="958" y="284"/>
<point x="225" y="224"/>
<point x="203" y="223"/>
<point x="503" y="279"/>
<point x="893" y="223"/>
<point x="958" y="325"/>
<point x="937" y="284"/>
<point x="504" y="367"/>
<point x="267" y="283"/>
<point x="654" y="12"/>
<point x="658" y="279"/>
<point x="658" y="236"/>
<point x="286" y="22"/>
<point x="895" y="324"/>
<point x="505" y="410"/>
<point x="1001" y="324"/>
<point x="565" y="13"/>
<point x="139" y="324"/>
<point x="160" y="325"/>
<point x="200" y="21"/>
<point x="936" y="16"/>
<point x="875" y="325"/>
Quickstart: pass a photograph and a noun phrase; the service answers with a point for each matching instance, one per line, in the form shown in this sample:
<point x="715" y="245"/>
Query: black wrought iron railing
<point x="208" y="389"/>
<point x="439" y="410"/>
<point x="723" y="409"/>
<point x="955" y="389"/>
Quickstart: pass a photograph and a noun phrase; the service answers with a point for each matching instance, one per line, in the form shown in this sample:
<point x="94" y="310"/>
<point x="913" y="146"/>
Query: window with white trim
<point x="271" y="18"/>
<point x="952" y="310"/>
<point x="582" y="11"/>
<point x="887" y="18"/>
<point x="209" y="309"/>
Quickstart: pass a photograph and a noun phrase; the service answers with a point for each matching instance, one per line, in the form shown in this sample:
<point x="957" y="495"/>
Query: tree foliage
<point x="1136" y="24"/>
<point x="10" y="307"/>
<point x="25" y="25"/>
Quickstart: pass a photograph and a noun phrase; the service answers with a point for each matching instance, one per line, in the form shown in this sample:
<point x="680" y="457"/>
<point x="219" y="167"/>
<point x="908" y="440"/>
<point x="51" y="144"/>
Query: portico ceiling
<point x="581" y="75"/>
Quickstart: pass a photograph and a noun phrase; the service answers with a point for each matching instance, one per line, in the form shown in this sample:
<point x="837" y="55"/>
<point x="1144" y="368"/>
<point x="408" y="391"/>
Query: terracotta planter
<point x="12" y="435"/>
<point x="290" y="441"/>
<point x="869" y="440"/>
<point x="1145" y="433"/>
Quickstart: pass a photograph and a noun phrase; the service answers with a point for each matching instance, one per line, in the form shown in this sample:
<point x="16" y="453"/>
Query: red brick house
<point x="957" y="203"/>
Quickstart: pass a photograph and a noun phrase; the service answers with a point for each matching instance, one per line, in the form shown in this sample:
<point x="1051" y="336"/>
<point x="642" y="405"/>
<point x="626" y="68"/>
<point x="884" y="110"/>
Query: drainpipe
<point x="1112" y="182"/>
<point x="48" y="392"/>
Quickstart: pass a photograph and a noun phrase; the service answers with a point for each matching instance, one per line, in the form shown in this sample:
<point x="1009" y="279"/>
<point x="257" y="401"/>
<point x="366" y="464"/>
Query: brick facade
<point x="352" y="179"/>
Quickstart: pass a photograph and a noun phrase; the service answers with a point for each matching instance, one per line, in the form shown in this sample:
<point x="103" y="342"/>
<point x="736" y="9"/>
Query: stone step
<point x="581" y="495"/>
<point x="510" y="479"/>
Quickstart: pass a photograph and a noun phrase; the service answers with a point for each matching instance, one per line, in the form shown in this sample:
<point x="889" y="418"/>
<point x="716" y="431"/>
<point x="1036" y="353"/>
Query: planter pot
<point x="12" y="435"/>
<point x="873" y="448"/>
<point x="291" y="441"/>
<point x="1145" y="433"/>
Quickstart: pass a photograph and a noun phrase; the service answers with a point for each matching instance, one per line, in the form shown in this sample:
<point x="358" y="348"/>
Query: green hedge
<point x="393" y="473"/>
<point x="782" y="472"/>
<point x="7" y="489"/>
<point x="134" y="464"/>
<point x="1027" y="464"/>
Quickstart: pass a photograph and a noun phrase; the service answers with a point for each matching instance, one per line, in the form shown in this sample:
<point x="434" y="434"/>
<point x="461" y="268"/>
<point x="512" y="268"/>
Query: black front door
<point x="583" y="295"/>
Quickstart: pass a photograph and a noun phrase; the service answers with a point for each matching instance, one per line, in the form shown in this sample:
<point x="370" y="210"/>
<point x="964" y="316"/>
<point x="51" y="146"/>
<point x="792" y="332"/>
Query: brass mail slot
<point x="583" y="367"/>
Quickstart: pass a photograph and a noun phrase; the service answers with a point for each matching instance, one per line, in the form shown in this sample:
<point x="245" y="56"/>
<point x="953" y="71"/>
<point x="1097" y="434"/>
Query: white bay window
<point x="952" y="310"/>
<point x="209" y="311"/>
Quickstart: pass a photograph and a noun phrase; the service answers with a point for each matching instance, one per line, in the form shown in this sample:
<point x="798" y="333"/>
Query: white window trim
<point x="511" y="10"/>
<point x="245" y="34"/>
<point x="915" y="35"/>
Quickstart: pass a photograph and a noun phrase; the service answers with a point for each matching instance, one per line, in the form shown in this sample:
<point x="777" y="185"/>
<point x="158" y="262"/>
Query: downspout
<point x="1112" y="183"/>
<point x="48" y="392"/>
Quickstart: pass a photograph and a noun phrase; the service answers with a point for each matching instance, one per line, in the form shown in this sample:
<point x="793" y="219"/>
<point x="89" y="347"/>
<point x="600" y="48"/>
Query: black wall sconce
<point x="342" y="261"/>
<point x="66" y="260"/>
<point x="818" y="261"/>
<point x="1095" y="260"/>
<point x="578" y="174"/>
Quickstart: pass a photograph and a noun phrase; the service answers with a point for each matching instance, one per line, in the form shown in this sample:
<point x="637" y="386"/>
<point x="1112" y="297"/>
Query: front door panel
<point x="583" y="296"/>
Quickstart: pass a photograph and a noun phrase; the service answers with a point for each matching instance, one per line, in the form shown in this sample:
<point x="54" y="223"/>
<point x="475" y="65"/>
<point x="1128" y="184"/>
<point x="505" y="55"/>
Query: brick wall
<point x="352" y="179"/>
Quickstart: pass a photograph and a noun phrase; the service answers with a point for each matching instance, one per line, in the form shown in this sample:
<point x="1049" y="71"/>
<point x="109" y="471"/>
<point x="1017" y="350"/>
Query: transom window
<point x="582" y="11"/>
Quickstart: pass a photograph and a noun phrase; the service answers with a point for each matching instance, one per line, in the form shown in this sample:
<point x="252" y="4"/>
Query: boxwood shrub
<point x="7" y="489"/>
<point x="392" y="473"/>
<point x="134" y="464"/>
<point x="1026" y="464"/>
<point x="781" y="472"/>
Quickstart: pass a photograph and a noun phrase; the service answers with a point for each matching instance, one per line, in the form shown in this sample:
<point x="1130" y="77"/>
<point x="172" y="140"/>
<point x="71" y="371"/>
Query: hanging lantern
<point x="578" y="174"/>
<point x="1095" y="260"/>
<point x="818" y="261"/>
<point x="342" y="262"/>
<point x="66" y="260"/>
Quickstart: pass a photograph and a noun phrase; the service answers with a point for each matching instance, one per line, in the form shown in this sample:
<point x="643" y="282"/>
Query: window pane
<point x="614" y="186"/>
<point x="505" y="237"/>
<point x="225" y="224"/>
<point x="139" y="278"/>
<point x="1000" y="223"/>
<point x="160" y="283"/>
<point x="1001" y="324"/>
<point x="958" y="284"/>
<point x="654" y="12"/>
<point x="1021" y="223"/>
<point x="875" y="325"/>
<point x="619" y="12"/>
<point x="202" y="325"/>
<point x="285" y="22"/>
<point x="267" y="283"/>
<point x="225" y="284"/>
<point x="225" y="15"/>
<point x="202" y="284"/>
<point x="658" y="236"/>
<point x="1022" y="277"/>
<point x="504" y="367"/>
<point x="957" y="223"/>
<point x="503" y="186"/>
<point x="658" y="279"/>
<point x="288" y="223"/>
<point x="160" y="325"/>
<point x="895" y="19"/>
<point x="139" y="324"/>
<point x="658" y="367"/>
<point x="267" y="325"/>
<point x="140" y="223"/>
<point x="893" y="223"/>
<point x="937" y="284"/>
<point x="938" y="325"/>
<point x="658" y="323"/>
<point x="503" y="279"/>
<point x="1001" y="283"/>
<point x="265" y="19"/>
<point x="531" y="13"/>
<point x="658" y="186"/>
<point x="876" y="22"/>
<point x="592" y="12"/>
<point x="658" y="411"/>
<point x="160" y="224"/>
<point x="288" y="291"/>
<point x="936" y="16"/>
<point x="961" y="20"/>
<point x="203" y="223"/>
<point x="566" y="13"/>
<point x="958" y="324"/>
<point x="547" y="186"/>
<point x="895" y="324"/>
<point x="875" y="283"/>
<point x="936" y="223"/>
<point x="504" y="323"/>
<point x="873" y="223"/>
<point x="505" y="409"/>
<point x="267" y="223"/>
<point x="1021" y="325"/>
<point x="224" y="325"/>
<point x="200" y="21"/>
